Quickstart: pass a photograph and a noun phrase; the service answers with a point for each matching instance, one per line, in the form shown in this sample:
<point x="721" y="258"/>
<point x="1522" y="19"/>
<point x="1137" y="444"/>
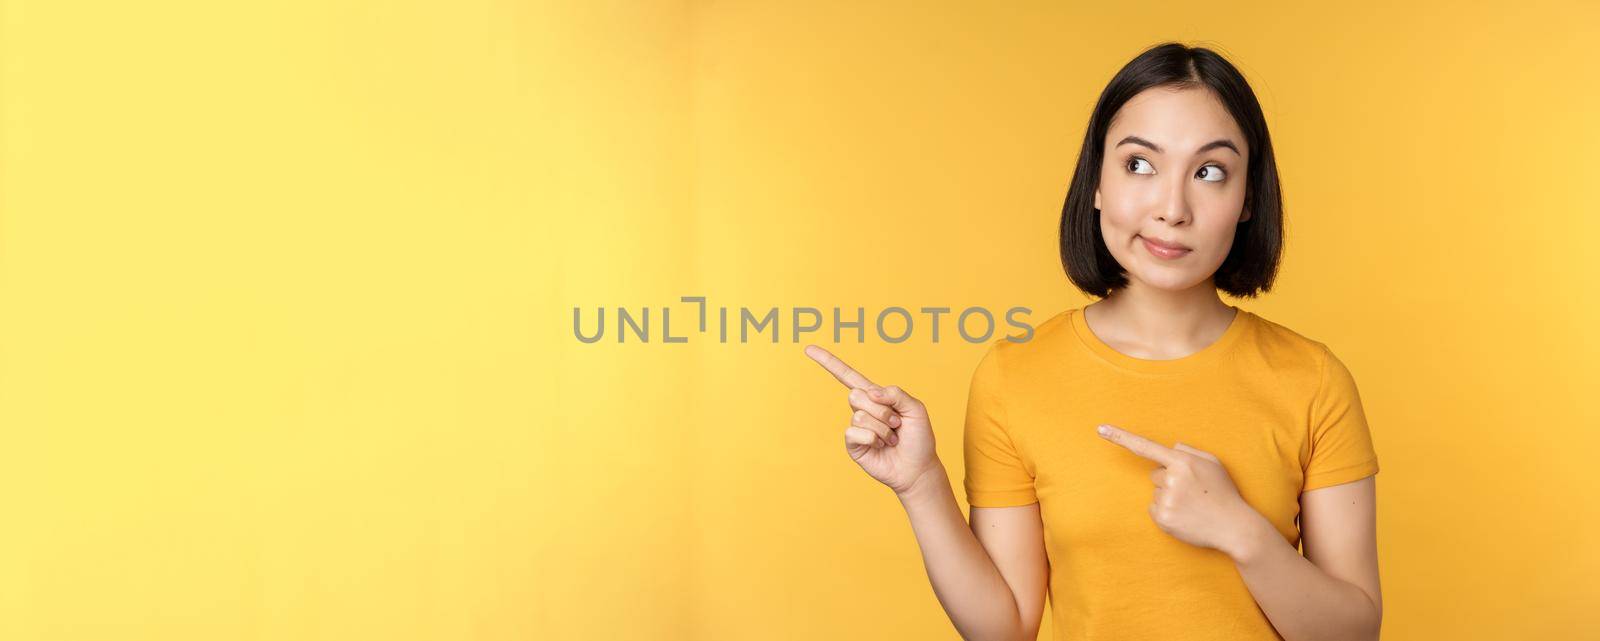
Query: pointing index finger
<point x="849" y="377"/>
<point x="1140" y="445"/>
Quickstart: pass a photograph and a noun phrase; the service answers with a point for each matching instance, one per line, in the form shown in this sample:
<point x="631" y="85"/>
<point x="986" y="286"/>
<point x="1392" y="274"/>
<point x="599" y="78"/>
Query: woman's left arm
<point x="1332" y="592"/>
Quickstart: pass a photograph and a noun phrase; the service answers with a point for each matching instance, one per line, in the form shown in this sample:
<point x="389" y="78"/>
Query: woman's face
<point x="1166" y="177"/>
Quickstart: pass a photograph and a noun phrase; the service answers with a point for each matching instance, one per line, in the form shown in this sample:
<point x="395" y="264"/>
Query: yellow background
<point x="286" y="296"/>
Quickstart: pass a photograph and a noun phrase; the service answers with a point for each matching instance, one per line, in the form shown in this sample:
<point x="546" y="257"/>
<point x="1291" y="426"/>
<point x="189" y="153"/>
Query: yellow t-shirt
<point x="1279" y="410"/>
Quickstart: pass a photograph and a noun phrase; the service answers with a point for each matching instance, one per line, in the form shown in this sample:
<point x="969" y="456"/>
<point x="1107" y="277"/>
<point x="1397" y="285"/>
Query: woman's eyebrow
<point x="1220" y="142"/>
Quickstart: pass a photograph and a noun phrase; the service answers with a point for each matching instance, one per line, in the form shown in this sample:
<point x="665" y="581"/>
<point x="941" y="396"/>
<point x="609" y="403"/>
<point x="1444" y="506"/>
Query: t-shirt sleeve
<point x="1341" y="443"/>
<point x="995" y="473"/>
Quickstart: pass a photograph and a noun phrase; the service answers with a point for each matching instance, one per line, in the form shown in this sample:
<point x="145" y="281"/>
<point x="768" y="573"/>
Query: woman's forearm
<point x="966" y="581"/>
<point x="1303" y="602"/>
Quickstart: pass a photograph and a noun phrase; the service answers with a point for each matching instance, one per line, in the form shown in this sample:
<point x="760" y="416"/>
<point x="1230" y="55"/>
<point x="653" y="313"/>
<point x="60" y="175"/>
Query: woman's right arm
<point x="990" y="576"/>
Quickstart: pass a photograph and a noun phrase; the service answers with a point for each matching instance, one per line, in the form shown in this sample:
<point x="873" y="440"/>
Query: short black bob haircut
<point x="1252" y="262"/>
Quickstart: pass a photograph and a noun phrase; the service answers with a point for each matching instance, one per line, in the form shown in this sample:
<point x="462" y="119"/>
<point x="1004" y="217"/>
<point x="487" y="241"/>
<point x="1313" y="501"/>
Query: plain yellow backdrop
<point x="286" y="295"/>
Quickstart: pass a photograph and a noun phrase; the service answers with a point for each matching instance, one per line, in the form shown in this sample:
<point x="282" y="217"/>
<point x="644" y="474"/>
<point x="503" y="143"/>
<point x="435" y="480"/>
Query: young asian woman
<point x="1151" y="462"/>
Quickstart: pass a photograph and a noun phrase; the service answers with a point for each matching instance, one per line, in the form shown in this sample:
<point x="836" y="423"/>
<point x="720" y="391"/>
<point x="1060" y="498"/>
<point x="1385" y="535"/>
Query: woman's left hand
<point x="1195" y="499"/>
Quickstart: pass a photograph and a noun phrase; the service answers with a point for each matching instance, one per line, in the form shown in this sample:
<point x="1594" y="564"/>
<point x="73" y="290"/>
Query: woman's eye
<point x="1133" y="164"/>
<point x="1219" y="175"/>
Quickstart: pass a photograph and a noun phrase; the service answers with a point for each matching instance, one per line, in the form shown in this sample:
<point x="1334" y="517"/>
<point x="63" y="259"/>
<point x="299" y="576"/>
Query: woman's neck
<point x="1144" y="322"/>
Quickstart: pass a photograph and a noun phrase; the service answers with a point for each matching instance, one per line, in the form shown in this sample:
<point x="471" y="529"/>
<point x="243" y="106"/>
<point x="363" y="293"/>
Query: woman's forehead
<point x="1178" y="121"/>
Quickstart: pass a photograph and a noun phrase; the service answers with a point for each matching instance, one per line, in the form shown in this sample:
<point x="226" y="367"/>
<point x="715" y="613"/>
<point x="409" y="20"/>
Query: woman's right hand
<point x="889" y="435"/>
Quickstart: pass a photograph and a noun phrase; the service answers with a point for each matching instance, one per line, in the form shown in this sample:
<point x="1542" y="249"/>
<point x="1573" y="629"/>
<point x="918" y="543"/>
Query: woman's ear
<point x="1246" y="215"/>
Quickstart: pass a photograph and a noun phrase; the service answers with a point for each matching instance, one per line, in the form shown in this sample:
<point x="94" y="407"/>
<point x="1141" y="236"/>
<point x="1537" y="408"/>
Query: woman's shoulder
<point x="1029" y="343"/>
<point x="1025" y="334"/>
<point x="1285" y="346"/>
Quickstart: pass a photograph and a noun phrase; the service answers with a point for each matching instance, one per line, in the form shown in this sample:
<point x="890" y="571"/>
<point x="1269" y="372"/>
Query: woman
<point x="1175" y="196"/>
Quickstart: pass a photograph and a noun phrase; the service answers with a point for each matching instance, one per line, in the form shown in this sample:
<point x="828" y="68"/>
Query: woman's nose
<point x="1174" y="205"/>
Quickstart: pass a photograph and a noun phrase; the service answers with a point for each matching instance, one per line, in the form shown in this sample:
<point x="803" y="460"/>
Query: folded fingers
<point x="859" y="401"/>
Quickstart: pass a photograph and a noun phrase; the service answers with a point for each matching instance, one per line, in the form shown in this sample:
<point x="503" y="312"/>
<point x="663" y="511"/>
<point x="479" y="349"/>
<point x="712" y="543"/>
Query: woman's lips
<point x="1160" y="251"/>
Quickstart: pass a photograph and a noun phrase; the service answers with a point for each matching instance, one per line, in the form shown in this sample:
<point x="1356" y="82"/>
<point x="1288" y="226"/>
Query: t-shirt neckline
<point x="1086" y="337"/>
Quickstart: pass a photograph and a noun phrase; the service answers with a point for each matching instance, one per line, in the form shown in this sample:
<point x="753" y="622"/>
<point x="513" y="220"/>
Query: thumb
<point x="903" y="403"/>
<point x="1195" y="451"/>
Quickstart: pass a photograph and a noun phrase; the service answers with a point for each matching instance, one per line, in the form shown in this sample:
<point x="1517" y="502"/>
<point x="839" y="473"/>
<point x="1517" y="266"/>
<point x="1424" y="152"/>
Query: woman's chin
<point x="1166" y="279"/>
